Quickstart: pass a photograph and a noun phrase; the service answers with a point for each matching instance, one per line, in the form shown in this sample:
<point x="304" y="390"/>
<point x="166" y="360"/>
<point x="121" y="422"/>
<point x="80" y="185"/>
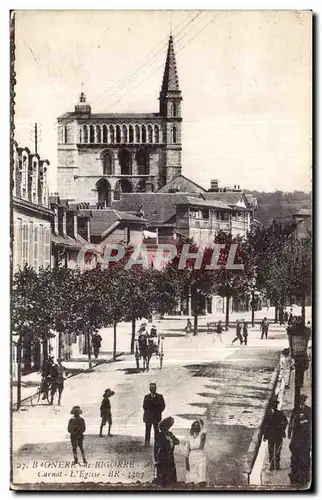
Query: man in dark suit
<point x="274" y="426"/>
<point x="153" y="406"/>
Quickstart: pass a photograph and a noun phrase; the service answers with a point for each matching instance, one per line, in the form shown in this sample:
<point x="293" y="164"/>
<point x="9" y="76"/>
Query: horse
<point x="146" y="349"/>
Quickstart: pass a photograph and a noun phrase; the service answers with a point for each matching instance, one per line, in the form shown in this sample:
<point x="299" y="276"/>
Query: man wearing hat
<point x="300" y="445"/>
<point x="106" y="414"/>
<point x="153" y="406"/>
<point x="76" y="428"/>
<point x="274" y="426"/>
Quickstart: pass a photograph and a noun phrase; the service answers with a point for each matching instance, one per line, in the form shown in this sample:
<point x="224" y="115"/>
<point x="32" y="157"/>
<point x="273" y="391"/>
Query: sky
<point x="245" y="78"/>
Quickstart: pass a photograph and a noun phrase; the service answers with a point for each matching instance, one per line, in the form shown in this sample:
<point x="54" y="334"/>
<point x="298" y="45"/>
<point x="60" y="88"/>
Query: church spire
<point x="170" y="82"/>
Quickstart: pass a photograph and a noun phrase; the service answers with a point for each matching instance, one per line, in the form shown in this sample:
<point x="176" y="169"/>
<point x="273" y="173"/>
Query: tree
<point x="196" y="280"/>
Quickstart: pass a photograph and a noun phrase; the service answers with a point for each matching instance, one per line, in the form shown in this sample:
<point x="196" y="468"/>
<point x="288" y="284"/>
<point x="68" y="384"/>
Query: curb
<point x="251" y="454"/>
<point x="24" y="400"/>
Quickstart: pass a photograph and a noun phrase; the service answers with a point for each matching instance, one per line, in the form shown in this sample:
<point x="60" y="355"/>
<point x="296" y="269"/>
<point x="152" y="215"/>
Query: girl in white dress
<point x="195" y="455"/>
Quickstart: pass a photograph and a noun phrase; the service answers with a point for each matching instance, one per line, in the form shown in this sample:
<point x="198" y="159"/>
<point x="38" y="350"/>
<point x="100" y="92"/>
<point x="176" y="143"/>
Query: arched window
<point x="143" y="134"/>
<point x="103" y="191"/>
<point x="40" y="185"/>
<point x="98" y="134"/>
<point x="34" y="182"/>
<point x="156" y="134"/>
<point x="85" y="134"/>
<point x="108" y="164"/>
<point x="150" y="134"/>
<point x="174" y="134"/>
<point x="124" y="133"/>
<point x="122" y="186"/>
<point x="80" y="135"/>
<point x="104" y="134"/>
<point x="118" y="134"/>
<point x="65" y="134"/>
<point x="131" y="134"/>
<point x="91" y="134"/>
<point x="142" y="158"/>
<point x="174" y="109"/>
<point x="24" y="176"/>
<point x="112" y="134"/>
<point x="137" y="134"/>
<point x="125" y="161"/>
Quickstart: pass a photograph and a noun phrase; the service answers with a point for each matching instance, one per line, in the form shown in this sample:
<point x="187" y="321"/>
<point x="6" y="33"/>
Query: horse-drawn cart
<point x="145" y="348"/>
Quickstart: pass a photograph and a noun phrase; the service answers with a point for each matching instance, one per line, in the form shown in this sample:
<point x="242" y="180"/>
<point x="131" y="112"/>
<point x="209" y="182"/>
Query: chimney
<point x="62" y="220"/>
<point x="71" y="223"/>
<point x="214" y="185"/>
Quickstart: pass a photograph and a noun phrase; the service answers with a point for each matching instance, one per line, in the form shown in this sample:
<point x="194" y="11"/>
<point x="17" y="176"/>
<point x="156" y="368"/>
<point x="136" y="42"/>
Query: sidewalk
<point x="31" y="382"/>
<point x="280" y="478"/>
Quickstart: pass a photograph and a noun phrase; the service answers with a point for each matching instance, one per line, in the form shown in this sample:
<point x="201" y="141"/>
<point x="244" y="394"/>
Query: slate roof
<point x="161" y="207"/>
<point x="170" y="80"/>
<point x="229" y="197"/>
<point x="68" y="242"/>
<point x="176" y="180"/>
<point x="112" y="116"/>
<point x="102" y="220"/>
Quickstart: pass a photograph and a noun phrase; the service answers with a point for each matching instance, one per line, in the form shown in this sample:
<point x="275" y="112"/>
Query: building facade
<point x="101" y="155"/>
<point x="31" y="216"/>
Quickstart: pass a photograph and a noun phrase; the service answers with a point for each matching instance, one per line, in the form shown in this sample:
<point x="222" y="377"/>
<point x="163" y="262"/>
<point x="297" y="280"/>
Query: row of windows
<point x="117" y="134"/>
<point x="32" y="244"/>
<point x="221" y="216"/>
<point x="30" y="178"/>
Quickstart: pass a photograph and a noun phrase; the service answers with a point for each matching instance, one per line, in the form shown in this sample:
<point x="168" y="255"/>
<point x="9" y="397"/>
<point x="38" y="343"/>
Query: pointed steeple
<point x="170" y="82"/>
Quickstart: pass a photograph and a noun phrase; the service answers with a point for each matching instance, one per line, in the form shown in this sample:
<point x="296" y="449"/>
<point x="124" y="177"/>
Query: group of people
<point x="53" y="376"/>
<point x="241" y="332"/>
<point x="299" y="433"/>
<point x="144" y="335"/>
<point x="164" y="440"/>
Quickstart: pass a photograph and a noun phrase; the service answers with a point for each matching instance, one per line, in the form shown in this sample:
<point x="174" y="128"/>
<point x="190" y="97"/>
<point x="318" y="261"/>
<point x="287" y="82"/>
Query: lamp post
<point x="253" y="289"/>
<point x="298" y="337"/>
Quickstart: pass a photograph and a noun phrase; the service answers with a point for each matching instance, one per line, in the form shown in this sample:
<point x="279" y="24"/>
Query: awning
<point x="149" y="234"/>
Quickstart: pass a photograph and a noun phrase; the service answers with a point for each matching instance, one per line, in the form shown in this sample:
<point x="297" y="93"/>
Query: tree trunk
<point x="303" y="308"/>
<point x="18" y="374"/>
<point x="276" y="314"/>
<point x="253" y="309"/>
<point x="227" y="313"/>
<point x="133" y="335"/>
<point x="59" y="345"/>
<point x="89" y="351"/>
<point x="114" y="341"/>
<point x="195" y="322"/>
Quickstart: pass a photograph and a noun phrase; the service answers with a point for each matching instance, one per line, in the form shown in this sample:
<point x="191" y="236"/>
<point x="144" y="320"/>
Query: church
<point x="102" y="155"/>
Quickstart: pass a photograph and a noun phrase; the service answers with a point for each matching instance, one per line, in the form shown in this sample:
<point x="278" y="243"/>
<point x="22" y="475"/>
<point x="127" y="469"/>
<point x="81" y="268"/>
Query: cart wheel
<point x="137" y="362"/>
<point x="49" y="396"/>
<point x="34" y="400"/>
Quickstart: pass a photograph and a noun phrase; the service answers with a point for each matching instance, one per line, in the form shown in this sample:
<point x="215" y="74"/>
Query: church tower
<point x="170" y="109"/>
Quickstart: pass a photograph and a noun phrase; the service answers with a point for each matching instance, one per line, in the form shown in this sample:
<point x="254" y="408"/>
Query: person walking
<point x="274" y="427"/>
<point x="188" y="329"/>
<point x="96" y="342"/>
<point x="286" y="366"/>
<point x="219" y="330"/>
<point x="195" y="455"/>
<point x="264" y="328"/>
<point x="290" y="317"/>
<point x="164" y="456"/>
<point x="46" y="372"/>
<point x="153" y="406"/>
<point x="58" y="379"/>
<point x="300" y="445"/>
<point x="245" y="332"/>
<point x="106" y="415"/>
<point x="76" y="428"/>
<point x="238" y="333"/>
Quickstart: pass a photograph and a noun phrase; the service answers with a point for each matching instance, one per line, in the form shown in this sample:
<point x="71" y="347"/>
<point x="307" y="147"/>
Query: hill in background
<point x="280" y="205"/>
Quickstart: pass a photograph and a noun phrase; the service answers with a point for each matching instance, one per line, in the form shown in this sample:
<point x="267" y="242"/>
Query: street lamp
<point x="298" y="338"/>
<point x="253" y="289"/>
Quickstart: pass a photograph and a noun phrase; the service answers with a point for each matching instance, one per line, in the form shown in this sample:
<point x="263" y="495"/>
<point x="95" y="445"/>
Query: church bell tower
<point x="170" y="109"/>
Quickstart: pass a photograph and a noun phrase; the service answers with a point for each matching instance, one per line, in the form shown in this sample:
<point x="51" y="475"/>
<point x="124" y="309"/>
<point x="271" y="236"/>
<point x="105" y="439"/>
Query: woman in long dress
<point x="166" y="442"/>
<point x="195" y="455"/>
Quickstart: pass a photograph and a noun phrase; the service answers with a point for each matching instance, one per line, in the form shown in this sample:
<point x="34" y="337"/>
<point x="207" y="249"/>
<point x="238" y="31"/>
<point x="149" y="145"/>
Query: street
<point x="226" y="385"/>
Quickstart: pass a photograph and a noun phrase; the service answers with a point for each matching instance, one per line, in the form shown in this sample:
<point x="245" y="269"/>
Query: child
<point x="76" y="429"/>
<point x="106" y="414"/>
